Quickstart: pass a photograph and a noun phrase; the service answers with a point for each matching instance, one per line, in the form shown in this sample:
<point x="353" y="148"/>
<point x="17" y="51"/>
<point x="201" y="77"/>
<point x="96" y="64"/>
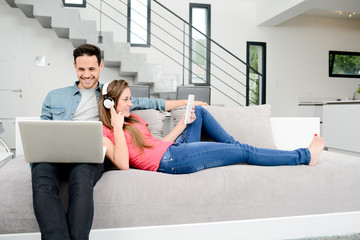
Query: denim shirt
<point x="61" y="104"/>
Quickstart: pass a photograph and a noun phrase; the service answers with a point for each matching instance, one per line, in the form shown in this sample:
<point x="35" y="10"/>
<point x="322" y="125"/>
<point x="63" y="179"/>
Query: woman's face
<point x="124" y="103"/>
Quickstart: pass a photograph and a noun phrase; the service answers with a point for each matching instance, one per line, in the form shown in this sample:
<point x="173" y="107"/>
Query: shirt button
<point x="171" y="159"/>
<point x="172" y="169"/>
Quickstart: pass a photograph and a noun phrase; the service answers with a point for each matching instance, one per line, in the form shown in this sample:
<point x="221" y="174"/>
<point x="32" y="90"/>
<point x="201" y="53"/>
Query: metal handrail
<point x="223" y="48"/>
<point x="185" y="23"/>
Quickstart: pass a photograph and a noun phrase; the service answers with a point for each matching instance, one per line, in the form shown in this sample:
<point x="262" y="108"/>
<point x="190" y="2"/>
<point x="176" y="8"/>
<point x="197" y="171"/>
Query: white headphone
<point x="108" y="101"/>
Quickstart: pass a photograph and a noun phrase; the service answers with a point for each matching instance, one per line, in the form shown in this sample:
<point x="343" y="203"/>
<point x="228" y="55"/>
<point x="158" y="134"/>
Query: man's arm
<point x="46" y="109"/>
<point x="147" y="103"/>
<point x="160" y="104"/>
<point x="171" y="104"/>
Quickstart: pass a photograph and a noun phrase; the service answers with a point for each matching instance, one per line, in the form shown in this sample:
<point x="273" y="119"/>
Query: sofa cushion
<point x="155" y="119"/>
<point x="250" y="125"/>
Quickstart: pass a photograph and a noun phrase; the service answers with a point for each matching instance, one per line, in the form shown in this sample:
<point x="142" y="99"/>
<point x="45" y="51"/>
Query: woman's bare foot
<point x="316" y="147"/>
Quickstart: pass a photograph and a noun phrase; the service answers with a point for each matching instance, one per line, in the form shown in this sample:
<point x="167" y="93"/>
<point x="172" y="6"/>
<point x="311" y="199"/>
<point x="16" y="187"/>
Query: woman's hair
<point x="87" y="50"/>
<point x="114" y="91"/>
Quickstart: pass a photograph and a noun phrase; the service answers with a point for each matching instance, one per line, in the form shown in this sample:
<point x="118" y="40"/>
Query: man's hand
<point x="171" y="104"/>
<point x="200" y="103"/>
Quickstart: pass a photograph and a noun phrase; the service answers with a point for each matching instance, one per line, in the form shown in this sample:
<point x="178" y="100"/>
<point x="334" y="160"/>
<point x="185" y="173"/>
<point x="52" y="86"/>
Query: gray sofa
<point x="140" y="198"/>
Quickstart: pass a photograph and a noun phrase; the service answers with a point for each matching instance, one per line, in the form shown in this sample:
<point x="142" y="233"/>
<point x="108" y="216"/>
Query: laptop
<point x="62" y="141"/>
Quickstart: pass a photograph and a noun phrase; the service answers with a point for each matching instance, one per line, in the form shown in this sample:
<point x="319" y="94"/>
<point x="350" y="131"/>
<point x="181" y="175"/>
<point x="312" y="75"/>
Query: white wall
<point x="298" y="60"/>
<point x="38" y="42"/>
<point x="297" y="51"/>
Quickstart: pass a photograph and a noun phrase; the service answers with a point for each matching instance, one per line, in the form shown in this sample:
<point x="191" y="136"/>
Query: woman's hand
<point x="117" y="119"/>
<point x="192" y="116"/>
<point x="118" y="151"/>
<point x="180" y="126"/>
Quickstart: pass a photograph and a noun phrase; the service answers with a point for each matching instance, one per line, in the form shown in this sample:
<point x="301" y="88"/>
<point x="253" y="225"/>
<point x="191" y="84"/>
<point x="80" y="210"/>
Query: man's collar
<point x="75" y="88"/>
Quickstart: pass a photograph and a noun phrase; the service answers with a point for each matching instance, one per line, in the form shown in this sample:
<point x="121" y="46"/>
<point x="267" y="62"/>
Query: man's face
<point x="88" y="71"/>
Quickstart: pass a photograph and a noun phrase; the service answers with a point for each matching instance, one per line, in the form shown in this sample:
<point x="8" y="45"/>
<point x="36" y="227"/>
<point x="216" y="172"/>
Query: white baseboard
<point x="272" y="228"/>
<point x="356" y="154"/>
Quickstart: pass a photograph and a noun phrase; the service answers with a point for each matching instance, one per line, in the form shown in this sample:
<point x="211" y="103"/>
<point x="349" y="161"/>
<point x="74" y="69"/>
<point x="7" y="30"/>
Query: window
<point x="139" y="23"/>
<point x="74" y="3"/>
<point x="256" y="60"/>
<point x="200" y="44"/>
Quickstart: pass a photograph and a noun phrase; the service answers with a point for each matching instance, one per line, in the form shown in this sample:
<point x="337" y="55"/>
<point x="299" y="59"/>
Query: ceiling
<point x="275" y="12"/>
<point x="334" y="14"/>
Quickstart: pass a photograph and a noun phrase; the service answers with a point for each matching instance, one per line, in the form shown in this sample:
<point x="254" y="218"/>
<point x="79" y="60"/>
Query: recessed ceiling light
<point x="349" y="14"/>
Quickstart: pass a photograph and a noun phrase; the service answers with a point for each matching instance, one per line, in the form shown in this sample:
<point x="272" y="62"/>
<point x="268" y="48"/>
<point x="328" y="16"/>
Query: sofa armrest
<point x="294" y="132"/>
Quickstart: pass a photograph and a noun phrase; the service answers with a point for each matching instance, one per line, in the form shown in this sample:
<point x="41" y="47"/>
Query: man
<point x="77" y="102"/>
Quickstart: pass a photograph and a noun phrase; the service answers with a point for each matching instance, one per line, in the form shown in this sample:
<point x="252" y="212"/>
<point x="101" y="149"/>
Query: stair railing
<point x="170" y="35"/>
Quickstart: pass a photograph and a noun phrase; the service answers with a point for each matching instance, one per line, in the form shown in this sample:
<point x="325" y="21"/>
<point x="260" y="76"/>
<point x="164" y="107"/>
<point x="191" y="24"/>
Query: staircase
<point x="66" y="23"/>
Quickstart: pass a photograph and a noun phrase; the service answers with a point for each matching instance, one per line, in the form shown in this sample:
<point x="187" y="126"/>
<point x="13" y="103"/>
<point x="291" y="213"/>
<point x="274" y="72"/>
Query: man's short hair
<point x="87" y="50"/>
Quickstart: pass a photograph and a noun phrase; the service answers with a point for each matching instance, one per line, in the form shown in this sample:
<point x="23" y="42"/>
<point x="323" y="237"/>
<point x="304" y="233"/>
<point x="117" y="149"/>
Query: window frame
<point x="262" y="89"/>
<point x="208" y="43"/>
<point x="148" y="40"/>
<point x="82" y="5"/>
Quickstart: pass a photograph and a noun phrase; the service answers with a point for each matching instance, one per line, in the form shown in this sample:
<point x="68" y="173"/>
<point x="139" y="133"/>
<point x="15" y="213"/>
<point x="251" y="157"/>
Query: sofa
<point x="133" y="198"/>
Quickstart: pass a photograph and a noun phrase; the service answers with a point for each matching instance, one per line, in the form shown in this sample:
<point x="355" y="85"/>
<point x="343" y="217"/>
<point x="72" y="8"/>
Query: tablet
<point x="189" y="106"/>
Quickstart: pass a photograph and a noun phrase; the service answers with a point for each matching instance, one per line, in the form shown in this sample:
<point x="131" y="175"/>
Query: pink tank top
<point x="151" y="157"/>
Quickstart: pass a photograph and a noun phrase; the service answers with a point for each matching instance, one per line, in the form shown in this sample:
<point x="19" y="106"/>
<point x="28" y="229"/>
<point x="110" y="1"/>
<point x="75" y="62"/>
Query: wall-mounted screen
<point x="344" y="64"/>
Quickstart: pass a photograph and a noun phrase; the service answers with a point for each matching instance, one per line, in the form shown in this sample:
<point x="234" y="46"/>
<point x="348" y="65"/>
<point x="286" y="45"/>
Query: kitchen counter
<point x="342" y="102"/>
<point x="320" y="103"/>
<point x="339" y="122"/>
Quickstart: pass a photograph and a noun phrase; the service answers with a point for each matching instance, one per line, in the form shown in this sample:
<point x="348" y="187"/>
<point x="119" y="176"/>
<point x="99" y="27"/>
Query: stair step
<point x="114" y="53"/>
<point x="77" y="42"/>
<point x="107" y="38"/>
<point x="168" y="83"/>
<point x="148" y="73"/>
<point x="27" y="9"/>
<point x="131" y="64"/>
<point x="27" y="6"/>
<point x="11" y="3"/>
<point x="83" y="31"/>
<point x="44" y="21"/>
<point x="62" y="32"/>
<point x="62" y="22"/>
<point x="64" y="18"/>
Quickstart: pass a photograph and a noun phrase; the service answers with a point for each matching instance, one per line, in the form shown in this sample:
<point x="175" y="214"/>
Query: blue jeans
<point x="188" y="154"/>
<point x="53" y="220"/>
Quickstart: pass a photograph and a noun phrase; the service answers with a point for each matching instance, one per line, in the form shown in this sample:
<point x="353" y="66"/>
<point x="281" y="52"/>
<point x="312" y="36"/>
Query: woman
<point x="130" y="144"/>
